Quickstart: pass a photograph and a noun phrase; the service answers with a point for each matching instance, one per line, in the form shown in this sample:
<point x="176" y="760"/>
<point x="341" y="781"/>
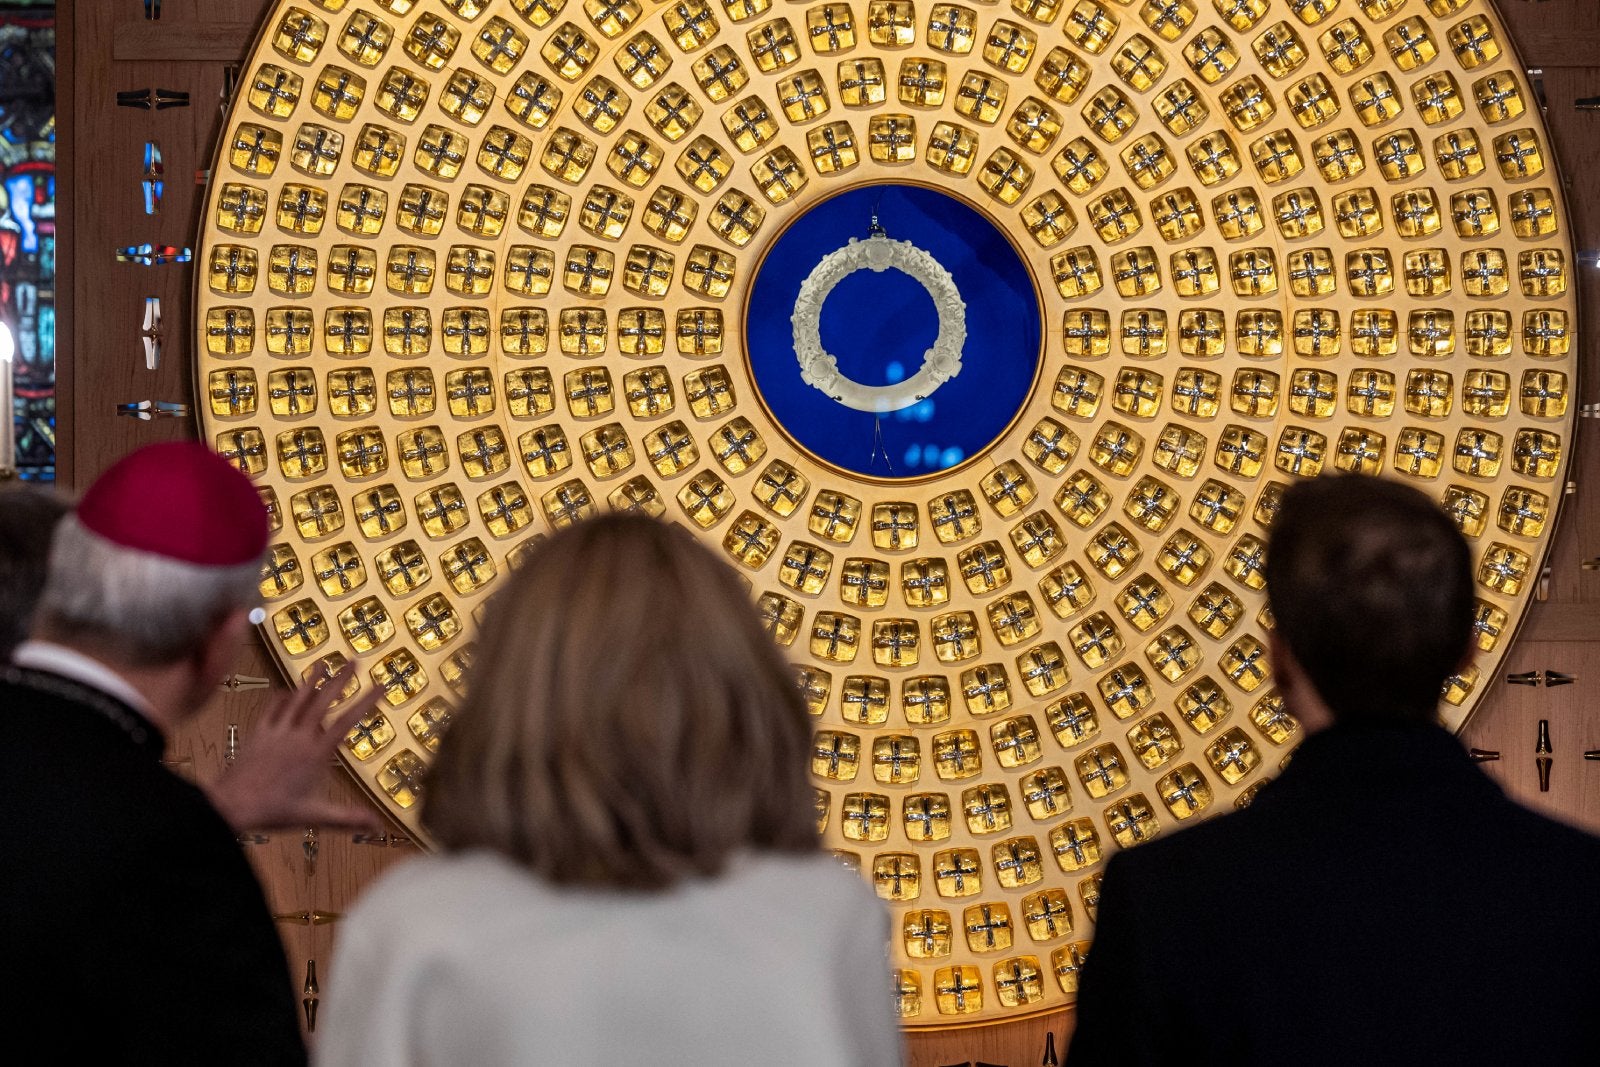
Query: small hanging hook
<point x="878" y="446"/>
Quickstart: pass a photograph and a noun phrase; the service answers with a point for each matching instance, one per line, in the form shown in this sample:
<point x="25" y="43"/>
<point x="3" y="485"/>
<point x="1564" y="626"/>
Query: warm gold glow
<point x="475" y="269"/>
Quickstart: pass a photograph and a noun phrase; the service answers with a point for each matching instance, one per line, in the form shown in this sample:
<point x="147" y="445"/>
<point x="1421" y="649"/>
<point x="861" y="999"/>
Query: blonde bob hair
<point x="628" y="721"/>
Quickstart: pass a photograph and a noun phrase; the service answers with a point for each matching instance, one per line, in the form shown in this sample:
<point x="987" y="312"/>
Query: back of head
<point x="28" y="518"/>
<point x="628" y="721"/>
<point x="163" y="546"/>
<point x="1370" y="586"/>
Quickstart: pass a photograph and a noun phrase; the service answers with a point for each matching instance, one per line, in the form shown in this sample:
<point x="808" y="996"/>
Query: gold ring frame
<point x="473" y="269"/>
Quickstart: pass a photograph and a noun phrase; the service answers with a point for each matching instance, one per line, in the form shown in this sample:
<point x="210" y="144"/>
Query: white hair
<point x="147" y="608"/>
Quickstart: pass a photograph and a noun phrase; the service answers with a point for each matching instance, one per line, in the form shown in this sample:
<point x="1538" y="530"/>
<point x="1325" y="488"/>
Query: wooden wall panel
<point x="106" y="46"/>
<point x="1562" y="633"/>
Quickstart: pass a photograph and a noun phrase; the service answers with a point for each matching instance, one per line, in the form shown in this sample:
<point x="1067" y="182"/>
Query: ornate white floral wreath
<point x="878" y="253"/>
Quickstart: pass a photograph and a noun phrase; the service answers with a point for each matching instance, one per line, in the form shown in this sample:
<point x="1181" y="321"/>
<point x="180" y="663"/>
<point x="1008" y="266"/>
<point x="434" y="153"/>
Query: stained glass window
<point x="28" y="230"/>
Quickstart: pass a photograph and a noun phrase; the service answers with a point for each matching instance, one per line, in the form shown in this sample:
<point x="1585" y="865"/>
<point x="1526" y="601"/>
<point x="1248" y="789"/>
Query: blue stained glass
<point x="19" y="193"/>
<point x="28" y="230"/>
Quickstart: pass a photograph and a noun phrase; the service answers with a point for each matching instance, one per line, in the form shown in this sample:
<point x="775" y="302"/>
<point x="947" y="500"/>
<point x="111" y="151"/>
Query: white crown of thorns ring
<point x="878" y="253"/>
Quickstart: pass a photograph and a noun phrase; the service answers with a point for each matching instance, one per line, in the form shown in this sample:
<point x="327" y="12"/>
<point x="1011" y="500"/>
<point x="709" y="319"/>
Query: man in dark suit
<point x="1382" y="901"/>
<point x="131" y="925"/>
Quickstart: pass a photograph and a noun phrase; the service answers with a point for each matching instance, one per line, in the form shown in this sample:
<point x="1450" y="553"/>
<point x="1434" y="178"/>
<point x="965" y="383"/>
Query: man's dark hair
<point x="28" y="518"/>
<point x="1370" y="585"/>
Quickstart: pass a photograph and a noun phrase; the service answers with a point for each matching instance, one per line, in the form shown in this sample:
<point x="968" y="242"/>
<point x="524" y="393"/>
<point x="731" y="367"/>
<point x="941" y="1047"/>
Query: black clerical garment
<point x="132" y="929"/>
<point x="1381" y="902"/>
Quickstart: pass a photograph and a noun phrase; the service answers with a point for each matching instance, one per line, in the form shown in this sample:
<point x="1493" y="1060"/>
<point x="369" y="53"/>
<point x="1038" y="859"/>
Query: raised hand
<point x="278" y="781"/>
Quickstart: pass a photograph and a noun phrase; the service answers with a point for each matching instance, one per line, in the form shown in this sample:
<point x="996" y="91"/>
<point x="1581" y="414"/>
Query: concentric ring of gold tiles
<point x="474" y="268"/>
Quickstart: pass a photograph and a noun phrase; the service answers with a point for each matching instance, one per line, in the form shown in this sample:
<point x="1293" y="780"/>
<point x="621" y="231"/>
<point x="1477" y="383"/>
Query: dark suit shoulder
<point x="77" y="771"/>
<point x="1378" y="864"/>
<point x="1218" y="842"/>
<point x="1441" y="813"/>
<point x="127" y="890"/>
<point x="1552" y="833"/>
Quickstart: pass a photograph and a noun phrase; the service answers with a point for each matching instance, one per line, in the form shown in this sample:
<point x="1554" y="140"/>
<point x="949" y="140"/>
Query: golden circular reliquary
<point x="474" y="269"/>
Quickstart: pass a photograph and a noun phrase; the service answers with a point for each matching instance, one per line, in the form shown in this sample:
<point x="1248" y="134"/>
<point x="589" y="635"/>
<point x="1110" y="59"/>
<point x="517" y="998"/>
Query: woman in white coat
<point x="629" y="868"/>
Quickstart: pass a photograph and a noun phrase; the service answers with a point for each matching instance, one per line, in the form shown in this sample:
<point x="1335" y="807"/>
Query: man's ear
<point x="1294" y="685"/>
<point x="1285" y="668"/>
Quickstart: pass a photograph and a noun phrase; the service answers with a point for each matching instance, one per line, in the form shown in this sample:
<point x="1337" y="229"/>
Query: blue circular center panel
<point x="879" y="324"/>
